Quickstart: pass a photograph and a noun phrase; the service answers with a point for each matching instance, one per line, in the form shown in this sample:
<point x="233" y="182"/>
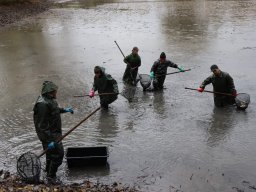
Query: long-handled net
<point x="242" y="100"/>
<point x="137" y="79"/>
<point x="145" y="81"/>
<point x="128" y="92"/>
<point x="29" y="165"/>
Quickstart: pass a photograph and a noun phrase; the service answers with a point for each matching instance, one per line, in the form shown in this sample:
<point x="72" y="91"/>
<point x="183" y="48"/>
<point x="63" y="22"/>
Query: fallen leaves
<point x="11" y="183"/>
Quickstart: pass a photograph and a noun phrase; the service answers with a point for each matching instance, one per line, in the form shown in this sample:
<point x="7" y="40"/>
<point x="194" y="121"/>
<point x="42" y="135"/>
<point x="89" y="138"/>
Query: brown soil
<point x="10" y="13"/>
<point x="12" y="183"/>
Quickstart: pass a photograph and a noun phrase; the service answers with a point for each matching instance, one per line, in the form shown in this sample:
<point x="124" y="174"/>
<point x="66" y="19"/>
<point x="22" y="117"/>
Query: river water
<point x="163" y="141"/>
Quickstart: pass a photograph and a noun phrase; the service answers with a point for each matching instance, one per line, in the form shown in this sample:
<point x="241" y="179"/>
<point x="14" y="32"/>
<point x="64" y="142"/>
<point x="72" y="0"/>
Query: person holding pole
<point x="47" y="121"/>
<point x="104" y="83"/>
<point x="159" y="70"/>
<point x="222" y="82"/>
<point x="133" y="62"/>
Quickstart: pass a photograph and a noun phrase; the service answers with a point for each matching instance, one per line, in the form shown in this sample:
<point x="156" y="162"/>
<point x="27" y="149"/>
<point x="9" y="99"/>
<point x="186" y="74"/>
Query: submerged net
<point x="145" y="81"/>
<point x="137" y="79"/>
<point x="29" y="167"/>
<point x="242" y="100"/>
<point x="128" y="92"/>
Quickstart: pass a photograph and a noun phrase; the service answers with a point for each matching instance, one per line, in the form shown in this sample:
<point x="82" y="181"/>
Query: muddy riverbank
<point x="162" y="140"/>
<point x="10" y="13"/>
<point x="12" y="183"/>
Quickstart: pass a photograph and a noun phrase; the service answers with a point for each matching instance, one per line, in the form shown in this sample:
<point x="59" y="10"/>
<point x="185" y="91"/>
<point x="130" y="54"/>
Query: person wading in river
<point x="47" y="122"/>
<point x="133" y="62"/>
<point x="104" y="83"/>
<point x="222" y="82"/>
<point x="159" y="69"/>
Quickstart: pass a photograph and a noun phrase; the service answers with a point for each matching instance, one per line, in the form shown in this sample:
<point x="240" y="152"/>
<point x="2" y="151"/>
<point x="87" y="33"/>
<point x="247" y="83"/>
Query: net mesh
<point x="137" y="79"/>
<point x="29" y="167"/>
<point x="128" y="92"/>
<point x="242" y="100"/>
<point x="145" y="81"/>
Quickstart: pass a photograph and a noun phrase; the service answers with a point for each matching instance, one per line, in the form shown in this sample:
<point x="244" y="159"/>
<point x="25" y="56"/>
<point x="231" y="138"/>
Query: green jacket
<point x="223" y="83"/>
<point x="105" y="83"/>
<point x="133" y="60"/>
<point x="47" y="119"/>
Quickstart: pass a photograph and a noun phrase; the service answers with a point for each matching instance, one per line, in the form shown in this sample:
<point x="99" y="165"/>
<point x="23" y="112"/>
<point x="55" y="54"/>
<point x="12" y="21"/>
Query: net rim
<point x="37" y="162"/>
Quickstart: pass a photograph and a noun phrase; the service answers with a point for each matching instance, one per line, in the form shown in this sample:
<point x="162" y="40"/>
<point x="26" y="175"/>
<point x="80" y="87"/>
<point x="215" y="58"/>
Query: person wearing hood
<point x="47" y="121"/>
<point x="222" y="82"/>
<point x="133" y="62"/>
<point x="159" y="70"/>
<point x="104" y="83"/>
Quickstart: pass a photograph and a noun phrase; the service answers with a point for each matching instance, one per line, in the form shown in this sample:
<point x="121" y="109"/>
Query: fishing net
<point x="145" y="81"/>
<point x="137" y="79"/>
<point x="242" y="100"/>
<point x="128" y="92"/>
<point x="29" y="167"/>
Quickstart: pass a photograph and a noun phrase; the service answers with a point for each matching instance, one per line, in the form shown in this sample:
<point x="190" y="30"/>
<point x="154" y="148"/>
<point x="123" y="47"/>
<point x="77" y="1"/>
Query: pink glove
<point x="200" y="89"/>
<point x="234" y="93"/>
<point x="91" y="94"/>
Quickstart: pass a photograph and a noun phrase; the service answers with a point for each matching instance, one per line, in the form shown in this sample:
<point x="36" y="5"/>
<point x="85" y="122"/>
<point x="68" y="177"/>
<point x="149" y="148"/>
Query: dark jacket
<point x="133" y="60"/>
<point x="223" y="83"/>
<point x="106" y="84"/>
<point x="161" y="68"/>
<point x="47" y="119"/>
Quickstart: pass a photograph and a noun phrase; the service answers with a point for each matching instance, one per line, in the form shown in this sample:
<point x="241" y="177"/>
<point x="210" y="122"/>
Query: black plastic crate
<point x="84" y="156"/>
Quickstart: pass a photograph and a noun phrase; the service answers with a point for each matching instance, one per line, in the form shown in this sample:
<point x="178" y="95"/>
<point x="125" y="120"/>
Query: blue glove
<point x="151" y="75"/>
<point x="69" y="109"/>
<point x="51" y="145"/>
<point x="181" y="69"/>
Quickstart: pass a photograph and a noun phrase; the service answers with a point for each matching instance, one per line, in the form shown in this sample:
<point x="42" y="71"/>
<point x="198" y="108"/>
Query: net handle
<point x="119" y="49"/>
<point x="66" y="134"/>
<point x="96" y="94"/>
<point x="123" y="53"/>
<point x="174" y="72"/>
<point x="101" y="94"/>
<point x="219" y="93"/>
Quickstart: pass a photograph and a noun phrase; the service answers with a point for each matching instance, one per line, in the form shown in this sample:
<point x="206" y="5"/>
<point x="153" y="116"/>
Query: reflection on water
<point x="169" y="133"/>
<point x="221" y="125"/>
<point x="107" y="127"/>
<point x="88" y="172"/>
<point x="159" y="103"/>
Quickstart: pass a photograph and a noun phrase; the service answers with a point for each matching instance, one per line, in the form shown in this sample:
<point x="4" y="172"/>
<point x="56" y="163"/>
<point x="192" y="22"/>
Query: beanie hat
<point x="162" y="55"/>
